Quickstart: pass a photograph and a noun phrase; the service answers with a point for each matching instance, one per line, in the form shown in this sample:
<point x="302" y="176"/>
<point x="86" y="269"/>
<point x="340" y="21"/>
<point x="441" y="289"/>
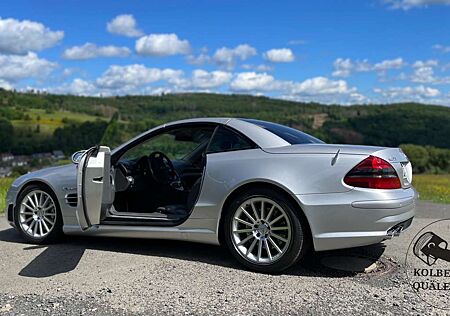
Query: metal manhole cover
<point x="350" y="263"/>
<point x="356" y="264"/>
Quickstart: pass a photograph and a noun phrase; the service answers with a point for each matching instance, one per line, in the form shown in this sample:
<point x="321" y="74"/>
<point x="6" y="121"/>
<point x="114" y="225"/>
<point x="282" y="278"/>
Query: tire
<point x="47" y="227"/>
<point x="245" y="244"/>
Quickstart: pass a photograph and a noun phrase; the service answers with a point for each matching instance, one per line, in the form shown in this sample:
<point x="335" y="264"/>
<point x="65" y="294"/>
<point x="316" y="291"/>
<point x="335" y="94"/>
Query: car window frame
<point x="116" y="156"/>
<point x="240" y="134"/>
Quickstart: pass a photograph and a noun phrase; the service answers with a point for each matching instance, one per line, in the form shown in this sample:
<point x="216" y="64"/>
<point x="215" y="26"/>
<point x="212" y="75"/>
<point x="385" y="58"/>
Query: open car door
<point x="95" y="186"/>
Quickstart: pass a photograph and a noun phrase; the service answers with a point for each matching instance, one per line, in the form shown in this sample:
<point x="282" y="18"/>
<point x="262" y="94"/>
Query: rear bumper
<point x="357" y="217"/>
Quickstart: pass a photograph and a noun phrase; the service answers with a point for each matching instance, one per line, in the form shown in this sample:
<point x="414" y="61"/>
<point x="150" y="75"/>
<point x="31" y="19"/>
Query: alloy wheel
<point x="261" y="230"/>
<point x="37" y="214"/>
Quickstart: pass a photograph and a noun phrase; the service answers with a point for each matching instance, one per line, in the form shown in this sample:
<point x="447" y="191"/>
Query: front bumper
<point x="10" y="202"/>
<point x="358" y="217"/>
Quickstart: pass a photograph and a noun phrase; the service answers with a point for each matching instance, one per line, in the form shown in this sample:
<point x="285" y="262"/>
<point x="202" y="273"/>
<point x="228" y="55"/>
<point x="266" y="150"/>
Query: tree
<point x="6" y="135"/>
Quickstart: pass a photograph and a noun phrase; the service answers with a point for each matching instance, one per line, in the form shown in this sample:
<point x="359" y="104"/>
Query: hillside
<point x="40" y="122"/>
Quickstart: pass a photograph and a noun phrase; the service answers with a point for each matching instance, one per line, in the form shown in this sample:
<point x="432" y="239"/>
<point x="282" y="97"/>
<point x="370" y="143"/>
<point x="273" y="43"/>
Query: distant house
<point x="5" y="157"/>
<point x="5" y="172"/>
<point x="58" y="155"/>
<point x="20" y="161"/>
<point x="42" y="156"/>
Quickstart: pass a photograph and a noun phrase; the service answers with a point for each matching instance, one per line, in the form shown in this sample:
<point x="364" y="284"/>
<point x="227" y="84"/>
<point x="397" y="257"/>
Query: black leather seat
<point x="181" y="209"/>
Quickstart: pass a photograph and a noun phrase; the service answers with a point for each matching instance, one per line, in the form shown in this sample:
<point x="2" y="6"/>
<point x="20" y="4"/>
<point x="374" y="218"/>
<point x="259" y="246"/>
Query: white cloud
<point x="5" y="85"/>
<point x="409" y="4"/>
<point x="227" y="57"/>
<point x="20" y="37"/>
<point x="442" y="48"/>
<point x="202" y="80"/>
<point x="16" y="67"/>
<point x="76" y="87"/>
<point x="321" y="86"/>
<point x="162" y="45"/>
<point x="252" y="81"/>
<point x="131" y="77"/>
<point x="198" y="60"/>
<point x="425" y="63"/>
<point x="408" y="93"/>
<point x="344" y="67"/>
<point x="279" y="55"/>
<point x="124" y="24"/>
<point x="389" y="64"/>
<point x="260" y="67"/>
<point x="89" y="50"/>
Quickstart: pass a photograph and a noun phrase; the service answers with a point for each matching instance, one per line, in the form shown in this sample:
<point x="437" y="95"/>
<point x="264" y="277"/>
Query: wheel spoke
<point x="247" y="230"/>
<point x="28" y="207"/>
<point x="26" y="213"/>
<point x="259" y="249"/>
<point x="40" y="199"/>
<point x="35" y="228"/>
<point x="267" y="248"/>
<point x="262" y="209"/>
<point x="276" y="219"/>
<point x="280" y="228"/>
<point x="36" y="199"/>
<point x="47" y="199"/>
<point x="243" y="222"/>
<point x="248" y="215"/>
<point x="27" y="220"/>
<point x="45" y="226"/>
<point x="31" y="201"/>
<point x="245" y="240"/>
<point x="31" y="225"/>
<point x="254" y="211"/>
<point x="249" y="250"/>
<point x="40" y="228"/>
<point x="274" y="245"/>
<point x="270" y="212"/>
<point x="48" y="220"/>
<point x="279" y="237"/>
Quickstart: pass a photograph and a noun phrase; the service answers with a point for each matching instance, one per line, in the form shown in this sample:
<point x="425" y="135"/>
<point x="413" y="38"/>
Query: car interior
<point x="160" y="178"/>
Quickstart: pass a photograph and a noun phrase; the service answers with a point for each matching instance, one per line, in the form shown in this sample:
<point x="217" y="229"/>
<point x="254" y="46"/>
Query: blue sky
<point x="327" y="51"/>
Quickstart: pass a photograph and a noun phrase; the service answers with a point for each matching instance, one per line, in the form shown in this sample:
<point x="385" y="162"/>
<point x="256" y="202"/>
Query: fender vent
<point x="72" y="199"/>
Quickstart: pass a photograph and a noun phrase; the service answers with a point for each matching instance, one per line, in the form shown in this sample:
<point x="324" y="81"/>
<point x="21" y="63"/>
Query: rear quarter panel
<point x="297" y="174"/>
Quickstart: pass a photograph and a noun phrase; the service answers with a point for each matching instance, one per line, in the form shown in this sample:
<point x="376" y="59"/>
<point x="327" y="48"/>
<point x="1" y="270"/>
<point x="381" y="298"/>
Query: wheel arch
<point x="267" y="185"/>
<point x="41" y="183"/>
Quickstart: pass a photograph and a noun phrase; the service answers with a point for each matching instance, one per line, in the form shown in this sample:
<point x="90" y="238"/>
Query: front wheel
<point x="37" y="215"/>
<point x="263" y="231"/>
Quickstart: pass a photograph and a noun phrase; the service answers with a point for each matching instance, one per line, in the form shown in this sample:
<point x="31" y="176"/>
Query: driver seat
<point x="179" y="210"/>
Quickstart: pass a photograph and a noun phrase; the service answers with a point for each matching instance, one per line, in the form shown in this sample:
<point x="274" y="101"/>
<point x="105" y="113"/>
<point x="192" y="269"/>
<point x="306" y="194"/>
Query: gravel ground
<point x="87" y="276"/>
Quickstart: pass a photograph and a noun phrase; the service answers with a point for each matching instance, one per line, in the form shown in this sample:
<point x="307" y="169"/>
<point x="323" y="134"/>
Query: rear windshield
<point x="291" y="135"/>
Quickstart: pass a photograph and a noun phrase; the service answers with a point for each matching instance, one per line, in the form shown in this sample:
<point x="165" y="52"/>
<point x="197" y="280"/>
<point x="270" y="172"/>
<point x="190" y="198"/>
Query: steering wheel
<point x="163" y="171"/>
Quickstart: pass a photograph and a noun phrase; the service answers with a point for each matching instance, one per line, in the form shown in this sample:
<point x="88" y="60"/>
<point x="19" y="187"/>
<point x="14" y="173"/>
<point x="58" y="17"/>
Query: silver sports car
<point x="266" y="191"/>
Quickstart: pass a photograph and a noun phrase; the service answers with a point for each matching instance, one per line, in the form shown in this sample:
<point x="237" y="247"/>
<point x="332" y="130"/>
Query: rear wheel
<point x="37" y="215"/>
<point x="263" y="231"/>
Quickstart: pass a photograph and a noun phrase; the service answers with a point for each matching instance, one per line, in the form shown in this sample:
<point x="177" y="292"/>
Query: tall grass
<point x="4" y="185"/>
<point x="431" y="187"/>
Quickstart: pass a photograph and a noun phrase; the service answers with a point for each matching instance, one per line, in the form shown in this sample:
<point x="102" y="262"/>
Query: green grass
<point x="50" y="121"/>
<point x="4" y="185"/>
<point x="431" y="187"/>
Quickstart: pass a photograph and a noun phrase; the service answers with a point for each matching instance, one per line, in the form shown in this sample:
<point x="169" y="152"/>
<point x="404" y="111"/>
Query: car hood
<point x="63" y="174"/>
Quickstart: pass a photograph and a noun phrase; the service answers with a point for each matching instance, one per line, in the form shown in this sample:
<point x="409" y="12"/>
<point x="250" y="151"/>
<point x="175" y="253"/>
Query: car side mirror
<point x="76" y="157"/>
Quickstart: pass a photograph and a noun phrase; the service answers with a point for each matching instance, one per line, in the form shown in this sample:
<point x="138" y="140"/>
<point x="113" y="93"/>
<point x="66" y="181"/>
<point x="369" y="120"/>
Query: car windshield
<point x="289" y="134"/>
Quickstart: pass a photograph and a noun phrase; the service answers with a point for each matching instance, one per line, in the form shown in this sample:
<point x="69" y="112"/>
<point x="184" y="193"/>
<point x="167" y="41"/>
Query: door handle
<point x="98" y="179"/>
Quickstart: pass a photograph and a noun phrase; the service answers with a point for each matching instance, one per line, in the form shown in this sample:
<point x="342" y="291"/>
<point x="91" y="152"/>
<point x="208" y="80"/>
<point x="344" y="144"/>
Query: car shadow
<point x="64" y="257"/>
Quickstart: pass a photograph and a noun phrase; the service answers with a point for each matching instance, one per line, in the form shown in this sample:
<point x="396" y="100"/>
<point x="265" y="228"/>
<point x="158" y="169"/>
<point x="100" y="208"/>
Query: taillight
<point x="373" y="173"/>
